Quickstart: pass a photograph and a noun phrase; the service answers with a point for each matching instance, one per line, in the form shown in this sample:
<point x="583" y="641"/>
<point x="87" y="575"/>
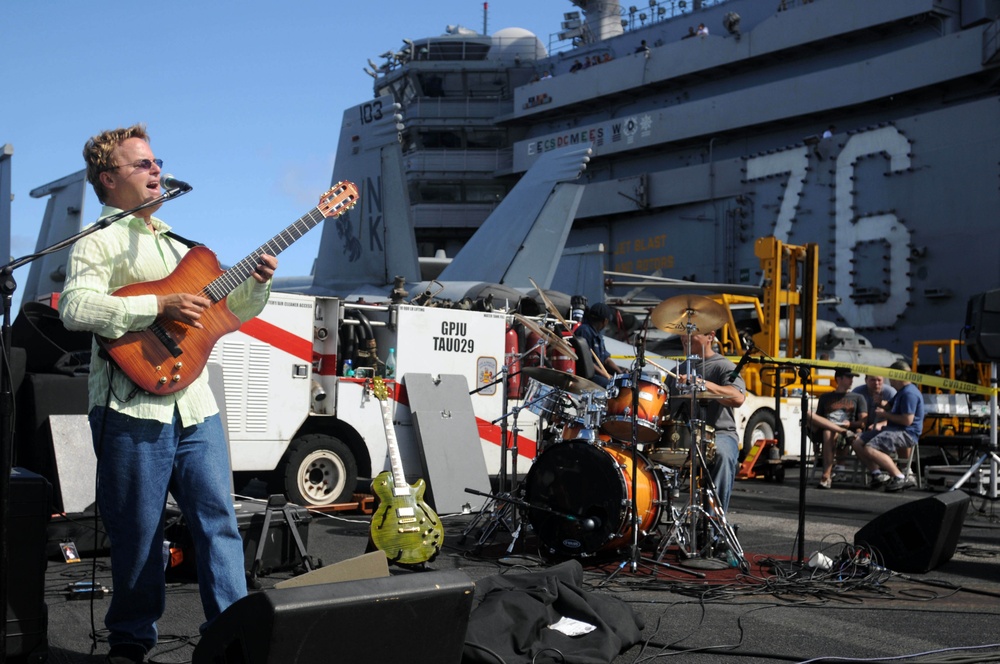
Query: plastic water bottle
<point x="390" y="364"/>
<point x="347" y="369"/>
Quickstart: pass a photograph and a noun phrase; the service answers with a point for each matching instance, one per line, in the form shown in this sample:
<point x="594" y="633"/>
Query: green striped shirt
<point x="127" y="252"/>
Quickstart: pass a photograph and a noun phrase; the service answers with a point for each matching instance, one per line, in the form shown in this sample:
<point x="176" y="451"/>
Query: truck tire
<point x="761" y="424"/>
<point x="320" y="470"/>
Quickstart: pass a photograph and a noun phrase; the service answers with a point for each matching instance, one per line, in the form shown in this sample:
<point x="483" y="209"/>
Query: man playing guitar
<point x="148" y="443"/>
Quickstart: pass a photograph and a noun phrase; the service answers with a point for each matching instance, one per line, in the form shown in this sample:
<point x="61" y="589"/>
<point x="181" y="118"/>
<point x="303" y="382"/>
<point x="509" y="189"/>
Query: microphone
<point x="590" y="523"/>
<point x="168" y="181"/>
<point x="742" y="363"/>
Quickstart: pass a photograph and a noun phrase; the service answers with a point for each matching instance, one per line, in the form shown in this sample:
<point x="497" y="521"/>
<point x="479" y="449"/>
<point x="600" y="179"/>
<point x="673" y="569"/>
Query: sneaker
<point x="900" y="483"/>
<point x="126" y="653"/>
<point x="878" y="481"/>
<point x="826" y="484"/>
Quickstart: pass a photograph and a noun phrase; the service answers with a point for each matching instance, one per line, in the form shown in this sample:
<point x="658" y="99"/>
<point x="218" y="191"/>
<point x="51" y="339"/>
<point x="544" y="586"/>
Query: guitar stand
<point x="275" y="503"/>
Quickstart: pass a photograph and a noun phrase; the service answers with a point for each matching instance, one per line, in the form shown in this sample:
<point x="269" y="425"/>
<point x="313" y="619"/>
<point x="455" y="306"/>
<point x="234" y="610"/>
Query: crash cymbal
<point x="549" y="336"/>
<point x="550" y="306"/>
<point x="561" y="380"/>
<point x="677" y="313"/>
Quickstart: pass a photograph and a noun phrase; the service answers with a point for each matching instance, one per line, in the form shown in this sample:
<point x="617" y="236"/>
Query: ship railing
<point x="638" y="16"/>
<point x="458" y="161"/>
<point x="466" y="108"/>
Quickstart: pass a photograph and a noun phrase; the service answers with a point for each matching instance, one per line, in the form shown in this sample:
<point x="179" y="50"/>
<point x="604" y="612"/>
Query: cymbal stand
<point x="703" y="510"/>
<point x="503" y="514"/>
<point x="703" y="515"/>
<point x="634" y="552"/>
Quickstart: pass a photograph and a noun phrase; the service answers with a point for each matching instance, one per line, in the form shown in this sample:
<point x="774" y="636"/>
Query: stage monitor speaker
<point x="350" y="621"/>
<point x="982" y="326"/>
<point x="917" y="537"/>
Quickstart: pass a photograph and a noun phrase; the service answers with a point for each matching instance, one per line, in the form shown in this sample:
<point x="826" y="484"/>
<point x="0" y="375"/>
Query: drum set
<point x="616" y="469"/>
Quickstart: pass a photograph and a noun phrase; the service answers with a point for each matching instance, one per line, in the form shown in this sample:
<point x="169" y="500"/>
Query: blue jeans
<point x="138" y="462"/>
<point x="727" y="457"/>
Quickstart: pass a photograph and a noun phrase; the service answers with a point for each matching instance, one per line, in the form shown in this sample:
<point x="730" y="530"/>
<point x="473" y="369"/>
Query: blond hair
<point x="97" y="152"/>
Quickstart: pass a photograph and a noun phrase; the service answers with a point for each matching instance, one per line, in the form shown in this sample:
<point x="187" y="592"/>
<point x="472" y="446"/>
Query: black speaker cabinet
<point x="918" y="536"/>
<point x="27" y="614"/>
<point x="350" y="621"/>
<point x="982" y="326"/>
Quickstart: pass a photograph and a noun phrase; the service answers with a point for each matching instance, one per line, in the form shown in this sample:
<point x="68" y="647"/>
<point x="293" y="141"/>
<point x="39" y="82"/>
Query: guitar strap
<point x="190" y="244"/>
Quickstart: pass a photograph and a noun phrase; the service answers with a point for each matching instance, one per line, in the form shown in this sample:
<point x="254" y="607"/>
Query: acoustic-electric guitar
<point x="168" y="355"/>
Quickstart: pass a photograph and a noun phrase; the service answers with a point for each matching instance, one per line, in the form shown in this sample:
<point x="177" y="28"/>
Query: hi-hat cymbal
<point x="678" y="313"/>
<point x="561" y="379"/>
<point x="549" y="336"/>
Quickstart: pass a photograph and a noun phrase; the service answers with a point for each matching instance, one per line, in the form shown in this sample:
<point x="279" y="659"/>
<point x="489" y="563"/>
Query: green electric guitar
<point x="403" y="526"/>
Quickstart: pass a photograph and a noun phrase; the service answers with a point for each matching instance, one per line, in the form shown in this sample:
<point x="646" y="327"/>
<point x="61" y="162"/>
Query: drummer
<point x="724" y="392"/>
<point x="595" y="319"/>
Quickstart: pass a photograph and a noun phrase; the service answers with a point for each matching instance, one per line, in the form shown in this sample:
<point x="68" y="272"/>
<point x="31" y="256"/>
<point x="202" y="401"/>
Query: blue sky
<point x="241" y="99"/>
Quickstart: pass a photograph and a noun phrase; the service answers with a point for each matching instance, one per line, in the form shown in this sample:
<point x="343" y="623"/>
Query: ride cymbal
<point x="682" y="312"/>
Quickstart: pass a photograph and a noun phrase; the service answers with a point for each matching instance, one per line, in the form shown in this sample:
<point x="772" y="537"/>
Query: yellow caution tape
<point x="865" y="369"/>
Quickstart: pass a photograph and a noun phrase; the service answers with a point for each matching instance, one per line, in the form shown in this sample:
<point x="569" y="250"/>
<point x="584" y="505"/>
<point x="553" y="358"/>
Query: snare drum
<point x="674" y="445"/>
<point x="588" y="489"/>
<point x="543" y="400"/>
<point x="618" y="423"/>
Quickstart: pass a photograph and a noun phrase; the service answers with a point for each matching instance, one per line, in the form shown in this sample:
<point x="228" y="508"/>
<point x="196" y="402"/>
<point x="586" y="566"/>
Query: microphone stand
<point x="805" y="373"/>
<point x="640" y="362"/>
<point x="7" y="288"/>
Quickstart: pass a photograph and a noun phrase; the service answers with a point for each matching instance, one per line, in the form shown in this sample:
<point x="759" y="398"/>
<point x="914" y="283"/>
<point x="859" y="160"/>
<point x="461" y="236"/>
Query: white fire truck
<point x="293" y="418"/>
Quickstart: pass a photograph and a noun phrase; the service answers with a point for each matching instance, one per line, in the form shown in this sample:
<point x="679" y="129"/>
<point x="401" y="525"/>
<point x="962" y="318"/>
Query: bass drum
<point x="589" y="487"/>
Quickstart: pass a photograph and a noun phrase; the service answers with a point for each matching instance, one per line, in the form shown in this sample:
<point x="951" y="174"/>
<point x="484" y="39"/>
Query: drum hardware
<point x="700" y="526"/>
<point x="502" y="515"/>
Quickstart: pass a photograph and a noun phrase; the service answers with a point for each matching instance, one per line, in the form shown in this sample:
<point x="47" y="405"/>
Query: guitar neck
<point x="400" y="487"/>
<point x="229" y="280"/>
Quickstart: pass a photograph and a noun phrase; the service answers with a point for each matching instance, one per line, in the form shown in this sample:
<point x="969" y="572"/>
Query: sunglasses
<point x="143" y="164"/>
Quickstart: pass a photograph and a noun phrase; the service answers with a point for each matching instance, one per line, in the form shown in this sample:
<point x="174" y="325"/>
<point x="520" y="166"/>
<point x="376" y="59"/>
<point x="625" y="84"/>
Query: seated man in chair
<point x="897" y="429"/>
<point x="839" y="417"/>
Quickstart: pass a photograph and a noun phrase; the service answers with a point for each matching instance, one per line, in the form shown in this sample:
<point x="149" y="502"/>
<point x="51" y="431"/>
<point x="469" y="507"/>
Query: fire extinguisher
<point x="512" y="360"/>
<point x="559" y="360"/>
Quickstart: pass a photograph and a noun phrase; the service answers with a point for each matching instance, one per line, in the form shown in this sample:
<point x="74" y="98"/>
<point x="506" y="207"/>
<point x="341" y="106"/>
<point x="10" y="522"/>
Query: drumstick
<point x="666" y="371"/>
<point x="599" y="366"/>
<point x="550" y="306"/>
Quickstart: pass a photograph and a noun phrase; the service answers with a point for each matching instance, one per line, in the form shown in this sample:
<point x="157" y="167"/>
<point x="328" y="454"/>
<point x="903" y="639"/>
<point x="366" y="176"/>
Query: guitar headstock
<point x="379" y="389"/>
<point x="337" y="200"/>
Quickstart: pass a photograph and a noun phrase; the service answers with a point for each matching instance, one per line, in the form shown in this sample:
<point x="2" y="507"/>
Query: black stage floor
<point x="776" y="612"/>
